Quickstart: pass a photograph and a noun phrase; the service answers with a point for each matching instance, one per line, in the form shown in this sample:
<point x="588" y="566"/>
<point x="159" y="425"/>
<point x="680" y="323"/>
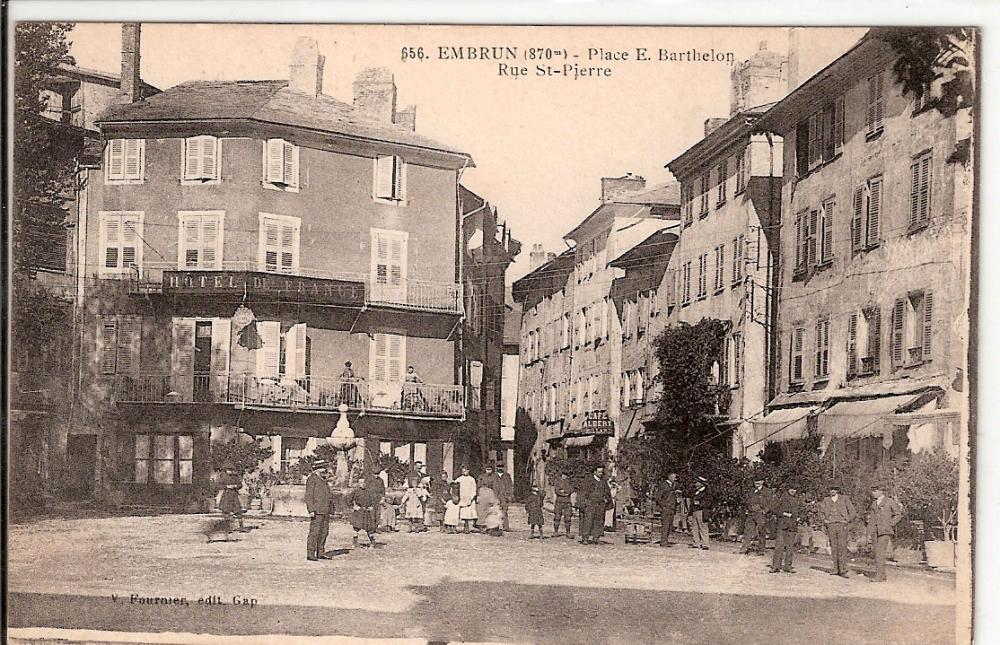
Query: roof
<point x="266" y="102"/>
<point x="663" y="195"/>
<point x="718" y="140"/>
<point x="98" y="75"/>
<point x="659" y="243"/>
<point x="557" y="269"/>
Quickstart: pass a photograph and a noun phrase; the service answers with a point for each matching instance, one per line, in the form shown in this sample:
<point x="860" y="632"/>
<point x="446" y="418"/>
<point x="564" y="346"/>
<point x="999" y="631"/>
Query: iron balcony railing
<point x="315" y="393"/>
<point x="403" y="293"/>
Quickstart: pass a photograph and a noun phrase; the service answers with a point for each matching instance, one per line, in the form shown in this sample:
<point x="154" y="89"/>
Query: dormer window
<point x="202" y="155"/>
<point x="281" y="165"/>
<point x="390" y="179"/>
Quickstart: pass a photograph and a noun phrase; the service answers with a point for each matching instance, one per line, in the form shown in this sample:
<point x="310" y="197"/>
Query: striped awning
<point x="864" y="418"/>
<point x="784" y="424"/>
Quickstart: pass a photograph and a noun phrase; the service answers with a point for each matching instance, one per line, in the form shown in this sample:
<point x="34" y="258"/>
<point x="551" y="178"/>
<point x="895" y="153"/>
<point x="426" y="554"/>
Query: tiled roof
<point x="267" y="102"/>
<point x="664" y="194"/>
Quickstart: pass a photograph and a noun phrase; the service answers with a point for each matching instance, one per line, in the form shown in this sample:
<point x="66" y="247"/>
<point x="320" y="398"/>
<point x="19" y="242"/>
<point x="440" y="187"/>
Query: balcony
<point x="307" y="394"/>
<point x="421" y="295"/>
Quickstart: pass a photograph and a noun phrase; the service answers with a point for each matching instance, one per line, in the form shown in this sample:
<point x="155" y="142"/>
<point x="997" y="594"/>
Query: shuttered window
<point x="737" y="364"/>
<point x="796" y="346"/>
<point x="876" y="104"/>
<point x="389" y="265"/>
<point x="822" y="348"/>
<point x="815" y="140"/>
<point x="801" y="232"/>
<point x="687" y="199"/>
<point x="739" y="258"/>
<point x="390" y="178"/>
<point x="742" y="162"/>
<point x="864" y="342"/>
<point x="826" y="232"/>
<point x="920" y="190"/>
<point x="722" y="172"/>
<point x="686" y="281"/>
<point x="702" y="275"/>
<point x="278" y="243"/>
<point x="874" y="213"/>
<point x="200" y="239"/>
<point x="121" y="242"/>
<point x="387" y="357"/>
<point x="281" y="164"/>
<point x="119" y="344"/>
<point x="124" y="160"/>
<point x="163" y="459"/>
<point x="202" y="159"/>
<point x="720" y="266"/>
<point x="703" y="185"/>
<point x="858" y="220"/>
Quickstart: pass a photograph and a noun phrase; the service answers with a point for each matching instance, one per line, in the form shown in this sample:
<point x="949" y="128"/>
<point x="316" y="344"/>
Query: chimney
<point x="130" y="81"/>
<point x="537" y="257"/>
<point x="375" y="94"/>
<point x="613" y="188"/>
<point x="305" y="72"/>
<point x="793" y="57"/>
<point x="712" y="124"/>
<point x="759" y="80"/>
<point x="407" y="117"/>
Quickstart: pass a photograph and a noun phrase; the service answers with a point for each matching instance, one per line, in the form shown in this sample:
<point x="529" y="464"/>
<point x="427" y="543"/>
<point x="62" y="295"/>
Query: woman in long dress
<point x="467" y="499"/>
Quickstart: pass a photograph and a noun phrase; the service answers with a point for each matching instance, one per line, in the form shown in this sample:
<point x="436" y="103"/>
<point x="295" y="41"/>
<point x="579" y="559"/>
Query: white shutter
<point x="384" y="179"/>
<point x="108" y="344"/>
<point x="116" y="159"/>
<point x="396" y="357"/>
<point x="267" y="355"/>
<point x="270" y="235"/>
<point x="289" y="176"/>
<point x="274" y="163"/>
<point x="295" y="352"/>
<point x="378" y="358"/>
<point x="221" y="334"/>
<point x="182" y="358"/>
<point x="289" y="245"/>
<point x="210" y="240"/>
<point x="191" y="238"/>
<point x="111" y="239"/>
<point x="209" y="158"/>
<point x="131" y="242"/>
<point x="192" y="158"/>
<point x="133" y="158"/>
<point x="398" y="177"/>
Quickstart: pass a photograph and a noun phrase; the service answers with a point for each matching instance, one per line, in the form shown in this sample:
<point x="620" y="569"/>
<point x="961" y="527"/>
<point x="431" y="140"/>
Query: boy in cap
<point x="533" y="505"/>
<point x="836" y="511"/>
<point x="787" y="511"/>
<point x="883" y="516"/>
<point x="319" y="503"/>
<point x="758" y="504"/>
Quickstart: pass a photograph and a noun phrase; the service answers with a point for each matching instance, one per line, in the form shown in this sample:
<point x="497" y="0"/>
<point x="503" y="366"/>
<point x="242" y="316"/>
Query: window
<point x="912" y="329"/>
<point x="703" y="192"/>
<point x="687" y="199"/>
<point x="876" y="105"/>
<point x="921" y="98"/>
<point x="737" y="358"/>
<point x="833" y="129"/>
<point x="283" y="354"/>
<point x="281" y="165"/>
<point x="390" y="179"/>
<point x="49" y="240"/>
<point x="686" y="282"/>
<point x="702" y="275"/>
<point x="742" y="169"/>
<point x="124" y="161"/>
<point x="866" y="216"/>
<point x="627" y="319"/>
<point x="802" y="139"/>
<point x="202" y="160"/>
<point x="864" y="342"/>
<point x="724" y="362"/>
<point x="121" y="242"/>
<point x="199" y="239"/>
<point x="720" y="266"/>
<point x="606" y="320"/>
<point x="795" y="364"/>
<point x="815" y="140"/>
<point x="825" y="233"/>
<point x="822" y="349"/>
<point x="119" y="344"/>
<point x="920" y="190"/>
<point x="806" y="233"/>
<point x="565" y="331"/>
<point x="163" y="459"/>
<point x="819" y="138"/>
<point x="721" y="189"/>
<point x="739" y="258"/>
<point x="278" y="249"/>
<point x="387" y="358"/>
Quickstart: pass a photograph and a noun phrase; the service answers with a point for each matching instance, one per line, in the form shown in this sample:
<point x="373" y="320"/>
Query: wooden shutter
<point x="875" y="338"/>
<point x="874" y="210"/>
<point x="289" y="244"/>
<point x="108" y="344"/>
<point x="384" y="177"/>
<point x="131" y="244"/>
<point x="191" y="241"/>
<point x="826" y="238"/>
<point x="852" y="345"/>
<point x="182" y="358"/>
<point x="219" y="366"/>
<point x="398" y="175"/>
<point x="818" y="349"/>
<point x="914" y="193"/>
<point x="129" y="344"/>
<point x="811" y="235"/>
<point x="192" y="158"/>
<point x="879" y="100"/>
<point x="800" y="236"/>
<point x="133" y="158"/>
<point x="288" y="164"/>
<point x="296" y="352"/>
<point x="274" y="172"/>
<point x="928" y="322"/>
<point x="923" y="207"/>
<point x="396" y="365"/>
<point x="798" y="339"/>
<point x="210" y="240"/>
<point x="116" y="159"/>
<point x="378" y="362"/>
<point x="271" y="235"/>
<point x="268" y="354"/>
<point x="857" y="220"/>
<point x="838" y="124"/>
<point x="209" y="158"/>
<point x="112" y="240"/>
<point x="898" y="329"/>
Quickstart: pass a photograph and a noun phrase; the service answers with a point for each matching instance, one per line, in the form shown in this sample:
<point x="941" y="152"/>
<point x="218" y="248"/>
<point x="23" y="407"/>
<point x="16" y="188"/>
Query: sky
<point x="540" y="143"/>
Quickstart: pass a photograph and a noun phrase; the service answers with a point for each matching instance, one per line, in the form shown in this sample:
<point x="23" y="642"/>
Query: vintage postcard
<point x="562" y="334"/>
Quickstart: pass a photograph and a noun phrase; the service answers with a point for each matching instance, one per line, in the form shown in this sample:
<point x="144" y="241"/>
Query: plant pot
<point x="940" y="554"/>
<point x="256" y="504"/>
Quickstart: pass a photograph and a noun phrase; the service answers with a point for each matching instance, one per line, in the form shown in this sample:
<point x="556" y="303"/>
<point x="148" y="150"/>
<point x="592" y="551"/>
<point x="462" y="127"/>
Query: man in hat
<point x="837" y="512"/>
<point x="597" y="500"/>
<point x="505" y="493"/>
<point x="364" y="504"/>
<point x="787" y="511"/>
<point x="666" y="500"/>
<point x="533" y="506"/>
<point x="883" y="516"/>
<point x="563" y="509"/>
<point x="319" y="503"/>
<point x="701" y="502"/>
<point x="758" y="505"/>
<point x="348" y="385"/>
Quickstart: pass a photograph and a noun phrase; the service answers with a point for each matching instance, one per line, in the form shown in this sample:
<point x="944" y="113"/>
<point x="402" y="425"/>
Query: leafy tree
<point x="245" y="456"/>
<point x="928" y="489"/>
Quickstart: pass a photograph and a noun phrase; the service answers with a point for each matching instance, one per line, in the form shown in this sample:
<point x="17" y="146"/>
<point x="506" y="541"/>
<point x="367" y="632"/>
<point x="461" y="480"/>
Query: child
<point x="451" y="520"/>
<point x="229" y="501"/>
<point x="413" y="505"/>
<point x="534" y="507"/>
<point x="493" y="518"/>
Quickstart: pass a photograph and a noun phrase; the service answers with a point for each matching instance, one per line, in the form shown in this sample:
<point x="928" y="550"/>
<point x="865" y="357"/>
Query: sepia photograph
<point x="485" y="333"/>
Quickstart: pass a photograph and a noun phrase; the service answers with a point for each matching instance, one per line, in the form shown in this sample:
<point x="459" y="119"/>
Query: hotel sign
<point x="258" y="285"/>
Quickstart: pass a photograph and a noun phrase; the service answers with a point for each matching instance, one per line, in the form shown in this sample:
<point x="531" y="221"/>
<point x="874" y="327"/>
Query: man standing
<point x="787" y="510"/>
<point x="563" y="507"/>
<point x="666" y="500"/>
<point x="837" y="512"/>
<point x="505" y="493"/>
<point x="319" y="504"/>
<point x="758" y="505"/>
<point x="597" y="500"/>
<point x="701" y="502"/>
<point x="364" y="502"/>
<point x="883" y="516"/>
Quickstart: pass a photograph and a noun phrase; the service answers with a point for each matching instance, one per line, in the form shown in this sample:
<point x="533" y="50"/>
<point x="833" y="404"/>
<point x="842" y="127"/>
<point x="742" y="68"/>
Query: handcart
<point x="638" y="528"/>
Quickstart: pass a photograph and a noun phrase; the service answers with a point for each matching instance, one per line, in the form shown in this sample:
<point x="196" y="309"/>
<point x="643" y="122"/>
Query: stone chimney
<point x="793" y="57"/>
<point x="712" y="124"/>
<point x="613" y="188"/>
<point x="131" y="84"/>
<point x="375" y="94"/>
<point x="759" y="80"/>
<point x="537" y="257"/>
<point x="305" y="72"/>
<point x="407" y="117"/>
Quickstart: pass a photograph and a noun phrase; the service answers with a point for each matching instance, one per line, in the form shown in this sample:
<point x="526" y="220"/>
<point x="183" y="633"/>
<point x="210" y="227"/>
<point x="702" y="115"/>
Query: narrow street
<point x="508" y="589"/>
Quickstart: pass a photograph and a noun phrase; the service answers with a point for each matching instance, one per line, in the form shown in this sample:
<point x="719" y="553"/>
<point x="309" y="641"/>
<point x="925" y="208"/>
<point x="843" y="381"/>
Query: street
<point x="448" y="587"/>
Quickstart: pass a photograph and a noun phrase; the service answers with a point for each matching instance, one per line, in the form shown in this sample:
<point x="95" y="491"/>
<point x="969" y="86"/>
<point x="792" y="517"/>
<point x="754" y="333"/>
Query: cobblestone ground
<point x="450" y="586"/>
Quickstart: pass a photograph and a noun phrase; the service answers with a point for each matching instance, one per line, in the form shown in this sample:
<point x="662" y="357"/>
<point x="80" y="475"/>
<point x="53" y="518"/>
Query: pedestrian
<point x="597" y="500"/>
<point x="364" y="504"/>
<point x="533" y="505"/>
<point x="229" y="501"/>
<point x="883" y="516"/>
<point x="467" y="490"/>
<point x="349" y="386"/>
<point x="440" y="493"/>
<point x="758" y="506"/>
<point x="701" y="502"/>
<point x="837" y="512"/>
<point x="486" y="491"/>
<point x="787" y="512"/>
<point x="563" y="508"/>
<point x="490" y="513"/>
<point x="451" y="514"/>
<point x="681" y="520"/>
<point x="413" y="506"/>
<point x="505" y="493"/>
<point x="666" y="500"/>
<point x="319" y="503"/>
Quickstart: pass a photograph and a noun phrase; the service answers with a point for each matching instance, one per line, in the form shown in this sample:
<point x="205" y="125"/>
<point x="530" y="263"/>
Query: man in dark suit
<point x="597" y="500"/>
<point x="666" y="500"/>
<point x="758" y="505"/>
<point x="787" y="512"/>
<point x="701" y="503"/>
<point x="319" y="503"/>
<point x="563" y="509"/>
<point x="883" y="516"/>
<point x="837" y="512"/>
<point x="505" y="493"/>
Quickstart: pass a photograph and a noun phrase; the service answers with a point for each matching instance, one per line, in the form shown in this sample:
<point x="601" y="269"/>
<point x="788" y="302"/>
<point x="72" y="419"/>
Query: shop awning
<point x="576" y="442"/>
<point x="861" y="418"/>
<point x="784" y="424"/>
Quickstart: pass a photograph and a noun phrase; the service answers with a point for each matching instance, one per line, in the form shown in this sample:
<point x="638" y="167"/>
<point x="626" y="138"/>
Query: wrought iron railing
<point x="423" y="295"/>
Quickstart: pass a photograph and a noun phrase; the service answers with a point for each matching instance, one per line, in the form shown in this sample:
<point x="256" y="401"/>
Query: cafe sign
<point x="258" y="285"/>
<point x="598" y="422"/>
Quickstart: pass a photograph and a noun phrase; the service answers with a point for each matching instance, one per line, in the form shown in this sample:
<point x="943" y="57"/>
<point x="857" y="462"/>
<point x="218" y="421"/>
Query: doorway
<point x="81" y="463"/>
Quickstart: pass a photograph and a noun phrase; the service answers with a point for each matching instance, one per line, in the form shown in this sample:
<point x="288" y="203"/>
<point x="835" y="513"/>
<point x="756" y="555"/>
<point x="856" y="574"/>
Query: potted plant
<point x="258" y="485"/>
<point x="928" y="488"/>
